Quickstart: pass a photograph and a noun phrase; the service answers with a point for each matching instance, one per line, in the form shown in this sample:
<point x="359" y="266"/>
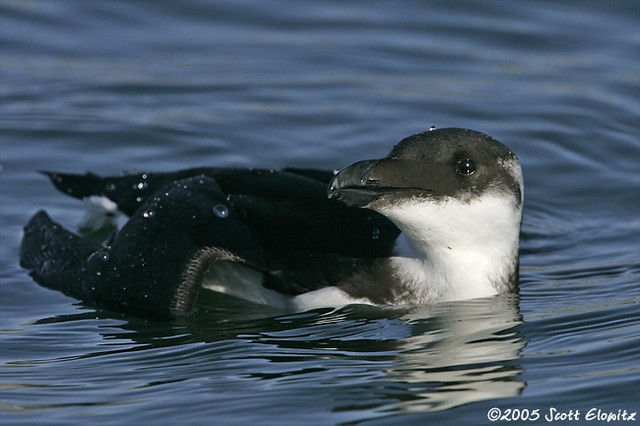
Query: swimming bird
<point x="437" y="219"/>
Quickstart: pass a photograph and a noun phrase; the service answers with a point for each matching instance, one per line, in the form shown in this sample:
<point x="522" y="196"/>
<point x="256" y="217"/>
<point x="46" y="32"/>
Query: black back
<point x="287" y="210"/>
<point x="155" y="263"/>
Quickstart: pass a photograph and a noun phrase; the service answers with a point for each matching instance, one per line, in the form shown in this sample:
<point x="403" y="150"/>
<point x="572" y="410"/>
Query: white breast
<point x="453" y="249"/>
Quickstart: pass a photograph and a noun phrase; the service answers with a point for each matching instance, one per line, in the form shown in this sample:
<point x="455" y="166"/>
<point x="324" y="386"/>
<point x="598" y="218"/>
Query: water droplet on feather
<point x="375" y="233"/>
<point x="221" y="211"/>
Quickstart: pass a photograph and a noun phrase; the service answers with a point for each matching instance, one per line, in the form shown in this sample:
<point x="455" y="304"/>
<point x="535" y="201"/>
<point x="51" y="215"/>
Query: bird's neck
<point x="453" y="250"/>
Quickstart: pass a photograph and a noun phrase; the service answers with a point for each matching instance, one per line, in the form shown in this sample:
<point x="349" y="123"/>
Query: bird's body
<point x="437" y="219"/>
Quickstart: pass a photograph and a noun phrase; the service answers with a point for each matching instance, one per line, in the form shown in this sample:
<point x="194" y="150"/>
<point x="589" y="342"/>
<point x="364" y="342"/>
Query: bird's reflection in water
<point x="459" y="353"/>
<point x="383" y="360"/>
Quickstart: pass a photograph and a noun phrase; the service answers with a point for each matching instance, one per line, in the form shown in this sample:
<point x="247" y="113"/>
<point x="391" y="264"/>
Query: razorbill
<point x="438" y="219"/>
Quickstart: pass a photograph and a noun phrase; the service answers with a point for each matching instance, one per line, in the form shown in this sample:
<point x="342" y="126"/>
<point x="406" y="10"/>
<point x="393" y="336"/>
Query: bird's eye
<point x="466" y="167"/>
<point x="221" y="211"/>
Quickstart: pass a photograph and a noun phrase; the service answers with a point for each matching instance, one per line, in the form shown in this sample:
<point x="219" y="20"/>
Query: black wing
<point x="287" y="209"/>
<point x="54" y="255"/>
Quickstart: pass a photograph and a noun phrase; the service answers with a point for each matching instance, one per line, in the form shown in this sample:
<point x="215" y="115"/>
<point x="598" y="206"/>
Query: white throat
<point x="452" y="249"/>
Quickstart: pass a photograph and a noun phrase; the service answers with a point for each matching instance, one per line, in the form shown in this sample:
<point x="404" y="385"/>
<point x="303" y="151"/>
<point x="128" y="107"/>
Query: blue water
<point x="113" y="86"/>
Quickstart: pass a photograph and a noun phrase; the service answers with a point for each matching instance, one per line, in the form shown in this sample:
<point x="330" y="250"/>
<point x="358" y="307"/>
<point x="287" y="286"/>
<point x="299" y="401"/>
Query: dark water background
<point x="112" y="86"/>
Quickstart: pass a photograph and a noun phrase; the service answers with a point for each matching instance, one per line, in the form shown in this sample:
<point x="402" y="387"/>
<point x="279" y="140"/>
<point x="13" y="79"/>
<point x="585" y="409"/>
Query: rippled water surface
<point x="113" y="86"/>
